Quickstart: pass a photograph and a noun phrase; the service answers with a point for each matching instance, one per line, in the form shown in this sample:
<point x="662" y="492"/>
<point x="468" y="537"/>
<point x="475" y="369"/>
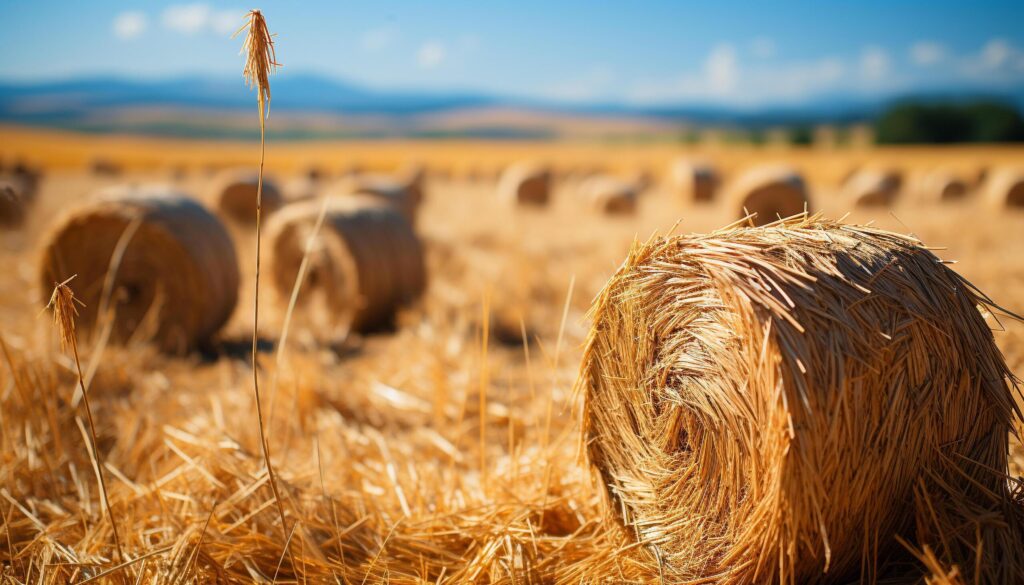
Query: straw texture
<point x="366" y="262"/>
<point x="768" y="192"/>
<point x="177" y="281"/>
<point x="234" y="191"/>
<point x="783" y="404"/>
<point x="525" y="184"/>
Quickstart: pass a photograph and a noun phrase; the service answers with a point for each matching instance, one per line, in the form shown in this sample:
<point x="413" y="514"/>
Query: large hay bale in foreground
<point x="696" y="181"/>
<point x="365" y="264"/>
<point x="770" y="192"/>
<point x="394" y="191"/>
<point x="872" y="187"/>
<point x="176" y="281"/>
<point x="525" y="184"/>
<point x="778" y="404"/>
<point x="1005" y="188"/>
<point x="234" y="191"/>
<point x="610" y="195"/>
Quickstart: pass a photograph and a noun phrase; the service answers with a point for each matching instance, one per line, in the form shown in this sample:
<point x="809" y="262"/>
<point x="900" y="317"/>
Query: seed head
<point x="62" y="301"/>
<point x="260" y="60"/>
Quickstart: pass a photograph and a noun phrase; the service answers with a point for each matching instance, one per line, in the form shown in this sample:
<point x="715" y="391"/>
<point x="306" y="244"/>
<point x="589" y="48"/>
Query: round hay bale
<point x="1005" y="188"/>
<point x="177" y="281"/>
<point x="392" y="191"/>
<point x="769" y="192"/>
<point x="366" y="262"/>
<point x="525" y="184"/>
<point x="313" y="173"/>
<point x="610" y="195"/>
<point x="104" y="167"/>
<point x="775" y="405"/>
<point x="301" y="188"/>
<point x="234" y="190"/>
<point x="697" y="181"/>
<point x="414" y="176"/>
<point x="14" y="202"/>
<point x="871" y="187"/>
<point x="942" y="186"/>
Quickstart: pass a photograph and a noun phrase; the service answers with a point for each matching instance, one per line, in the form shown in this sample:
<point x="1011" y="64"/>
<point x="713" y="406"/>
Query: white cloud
<point x="593" y="84"/>
<point x="378" y="39"/>
<point x="129" y="25"/>
<point x="722" y="68"/>
<point x="926" y="53"/>
<point x="196" y="18"/>
<point x="763" y="47"/>
<point x="874" y="63"/>
<point x="430" y="54"/>
<point x="996" y="53"/>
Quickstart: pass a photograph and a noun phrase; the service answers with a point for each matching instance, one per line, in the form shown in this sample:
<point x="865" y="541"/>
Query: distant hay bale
<point x="234" y="191"/>
<point x="778" y="404"/>
<point x="313" y="172"/>
<point x="697" y="181"/>
<point x="14" y="202"/>
<point x="301" y="188"/>
<point x="942" y="186"/>
<point x="393" y="191"/>
<point x="610" y="195"/>
<point x="1005" y="188"/>
<point x="770" y="191"/>
<point x="104" y="167"/>
<point x="414" y="175"/>
<point x="872" y="187"/>
<point x="525" y="184"/>
<point x="365" y="265"/>
<point x="177" y="281"/>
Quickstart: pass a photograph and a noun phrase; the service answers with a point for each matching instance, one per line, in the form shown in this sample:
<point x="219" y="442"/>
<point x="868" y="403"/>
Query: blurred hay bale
<point x="525" y="184"/>
<point x="610" y="195"/>
<point x="1005" y="188"/>
<point x="873" y="187"/>
<point x="770" y="192"/>
<point x="365" y="263"/>
<point x="941" y="186"/>
<point x="779" y="404"/>
<point x="104" y="167"/>
<point x="313" y="172"/>
<point x="14" y="202"/>
<point x="234" y="191"/>
<point x="173" y="278"/>
<point x="301" y="188"/>
<point x="394" y="191"/>
<point x="696" y="180"/>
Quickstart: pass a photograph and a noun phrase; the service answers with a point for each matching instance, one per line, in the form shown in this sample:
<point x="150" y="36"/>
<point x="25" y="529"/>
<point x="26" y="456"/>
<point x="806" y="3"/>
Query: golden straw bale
<point x="525" y="184"/>
<point x="610" y="195"/>
<point x="234" y="191"/>
<point x="872" y="187"/>
<point x="696" y="180"/>
<point x="14" y="202"/>
<point x="778" y="404"/>
<point x="414" y="175"/>
<point x="770" y="191"/>
<point x="175" y="280"/>
<point x="1005" y="188"/>
<point x="104" y="167"/>
<point x="393" y="191"/>
<point x="365" y="264"/>
<point x="941" y="186"/>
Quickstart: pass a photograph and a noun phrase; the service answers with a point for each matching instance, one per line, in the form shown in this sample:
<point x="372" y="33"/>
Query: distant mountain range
<point x="311" y="106"/>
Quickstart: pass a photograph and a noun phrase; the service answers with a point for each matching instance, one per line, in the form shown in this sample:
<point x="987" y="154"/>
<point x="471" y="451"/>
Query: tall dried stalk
<point x="260" y="62"/>
<point x="62" y="301"/>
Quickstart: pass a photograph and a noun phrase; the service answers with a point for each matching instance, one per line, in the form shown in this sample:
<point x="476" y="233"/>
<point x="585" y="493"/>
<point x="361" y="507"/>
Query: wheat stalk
<point x="260" y="63"/>
<point x="62" y="302"/>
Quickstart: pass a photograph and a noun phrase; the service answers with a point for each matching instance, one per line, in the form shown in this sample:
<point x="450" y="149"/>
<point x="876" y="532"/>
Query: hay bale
<point x="177" y="281"/>
<point x="393" y="191"/>
<point x="414" y="175"/>
<point x="610" y="195"/>
<point x="775" y="404"/>
<point x="525" y="184"/>
<point x="1005" y="188"/>
<point x="234" y="191"/>
<point x="104" y="167"/>
<point x="770" y="191"/>
<point x="696" y="180"/>
<point x="14" y="202"/>
<point x="366" y="263"/>
<point x="942" y="186"/>
<point x="301" y="188"/>
<point x="872" y="187"/>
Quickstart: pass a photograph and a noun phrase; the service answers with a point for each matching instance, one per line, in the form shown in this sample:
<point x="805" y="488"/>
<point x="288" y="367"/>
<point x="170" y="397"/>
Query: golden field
<point x="446" y="450"/>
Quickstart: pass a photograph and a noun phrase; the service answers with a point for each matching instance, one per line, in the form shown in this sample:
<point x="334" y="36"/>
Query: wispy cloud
<point x="874" y="63"/>
<point x="926" y="53"/>
<point x="130" y="25"/>
<point x="196" y="18"/>
<point x="378" y="39"/>
<point x="431" y="54"/>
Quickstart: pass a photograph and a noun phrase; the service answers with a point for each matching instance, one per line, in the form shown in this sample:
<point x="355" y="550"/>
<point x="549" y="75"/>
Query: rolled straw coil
<point x="525" y="184"/>
<point x="770" y="192"/>
<point x="696" y="181"/>
<point x="234" y="191"/>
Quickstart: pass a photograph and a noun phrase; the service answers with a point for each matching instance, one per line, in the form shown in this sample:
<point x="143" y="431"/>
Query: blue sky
<point x="636" y="52"/>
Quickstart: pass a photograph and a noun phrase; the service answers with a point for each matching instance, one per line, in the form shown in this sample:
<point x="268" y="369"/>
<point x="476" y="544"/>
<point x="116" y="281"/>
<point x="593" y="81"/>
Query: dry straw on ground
<point x="768" y="192"/>
<point x="872" y="187"/>
<point x="800" y="403"/>
<point x="152" y="264"/>
<point x="234" y="193"/>
<point x="525" y="183"/>
<point x="1005" y="188"/>
<point x="366" y="261"/>
<point x="696" y="180"/>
